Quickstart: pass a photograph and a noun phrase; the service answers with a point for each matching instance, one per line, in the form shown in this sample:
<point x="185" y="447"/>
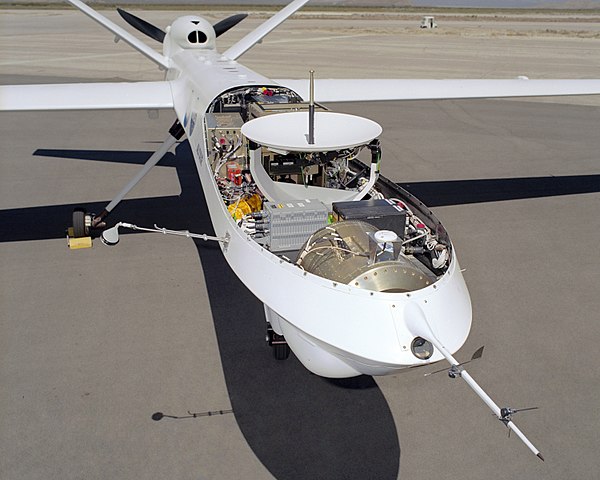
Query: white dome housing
<point x="191" y="32"/>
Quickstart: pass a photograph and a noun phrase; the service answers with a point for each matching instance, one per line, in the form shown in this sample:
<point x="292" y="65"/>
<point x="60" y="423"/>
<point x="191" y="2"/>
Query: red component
<point x="234" y="173"/>
<point x="420" y="225"/>
<point x="222" y="140"/>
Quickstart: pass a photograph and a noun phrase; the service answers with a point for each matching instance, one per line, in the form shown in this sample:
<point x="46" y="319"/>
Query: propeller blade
<point x="230" y="22"/>
<point x="142" y="25"/>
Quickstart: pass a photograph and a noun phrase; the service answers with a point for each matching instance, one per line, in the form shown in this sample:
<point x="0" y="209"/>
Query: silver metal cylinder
<point x="342" y="252"/>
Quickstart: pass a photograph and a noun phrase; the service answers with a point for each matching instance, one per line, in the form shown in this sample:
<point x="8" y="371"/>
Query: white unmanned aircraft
<point x="292" y="204"/>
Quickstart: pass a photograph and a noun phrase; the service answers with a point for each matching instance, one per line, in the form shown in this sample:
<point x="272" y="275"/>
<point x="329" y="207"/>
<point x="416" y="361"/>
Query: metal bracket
<point x="506" y="413"/>
<point x="454" y="371"/>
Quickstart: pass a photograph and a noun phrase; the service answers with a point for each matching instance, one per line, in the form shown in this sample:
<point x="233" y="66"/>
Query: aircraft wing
<point x="87" y="96"/>
<point x="347" y="90"/>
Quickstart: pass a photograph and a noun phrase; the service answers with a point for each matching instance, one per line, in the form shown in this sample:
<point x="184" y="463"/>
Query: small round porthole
<point x="421" y="348"/>
<point x="197" y="37"/>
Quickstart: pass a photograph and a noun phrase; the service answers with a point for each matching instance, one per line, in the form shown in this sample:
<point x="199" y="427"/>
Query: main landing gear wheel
<point x="80" y="227"/>
<point x="281" y="350"/>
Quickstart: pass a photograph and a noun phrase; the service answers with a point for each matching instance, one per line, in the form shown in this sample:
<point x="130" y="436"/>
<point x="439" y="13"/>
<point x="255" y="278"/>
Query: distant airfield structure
<point x="428" y="22"/>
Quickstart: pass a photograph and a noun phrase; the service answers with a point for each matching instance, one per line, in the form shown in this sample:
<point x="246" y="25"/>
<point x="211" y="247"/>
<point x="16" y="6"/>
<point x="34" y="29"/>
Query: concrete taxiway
<point x="94" y="342"/>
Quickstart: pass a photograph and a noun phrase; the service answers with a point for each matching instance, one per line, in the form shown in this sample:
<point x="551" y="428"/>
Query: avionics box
<point x="292" y="222"/>
<point x="383" y="214"/>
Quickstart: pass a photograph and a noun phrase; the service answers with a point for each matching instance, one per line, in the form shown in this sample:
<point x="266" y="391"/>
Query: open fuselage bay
<point x="352" y="269"/>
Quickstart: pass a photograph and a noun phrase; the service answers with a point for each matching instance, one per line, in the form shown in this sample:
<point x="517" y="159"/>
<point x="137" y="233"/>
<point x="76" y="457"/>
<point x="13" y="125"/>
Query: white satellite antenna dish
<point x="332" y="131"/>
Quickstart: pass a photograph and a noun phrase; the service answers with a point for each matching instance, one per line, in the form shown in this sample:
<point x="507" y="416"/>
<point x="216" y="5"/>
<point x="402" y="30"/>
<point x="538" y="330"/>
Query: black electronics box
<point x="383" y="214"/>
<point x="284" y="165"/>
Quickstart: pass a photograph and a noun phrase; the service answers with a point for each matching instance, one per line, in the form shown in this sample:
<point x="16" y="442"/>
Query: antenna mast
<point x="311" y="110"/>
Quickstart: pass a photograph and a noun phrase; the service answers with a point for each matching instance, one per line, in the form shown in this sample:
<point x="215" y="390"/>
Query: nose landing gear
<point x="281" y="350"/>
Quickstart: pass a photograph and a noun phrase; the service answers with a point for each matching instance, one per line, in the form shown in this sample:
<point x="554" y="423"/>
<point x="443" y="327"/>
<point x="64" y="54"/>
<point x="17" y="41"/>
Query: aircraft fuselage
<point x="335" y="329"/>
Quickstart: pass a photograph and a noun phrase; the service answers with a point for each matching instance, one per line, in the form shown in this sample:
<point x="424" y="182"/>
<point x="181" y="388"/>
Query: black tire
<point x="79" y="228"/>
<point x="281" y="351"/>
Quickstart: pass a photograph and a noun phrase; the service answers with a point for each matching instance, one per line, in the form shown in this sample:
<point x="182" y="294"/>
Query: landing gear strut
<point x="175" y="133"/>
<point x="83" y="222"/>
<point x="281" y="350"/>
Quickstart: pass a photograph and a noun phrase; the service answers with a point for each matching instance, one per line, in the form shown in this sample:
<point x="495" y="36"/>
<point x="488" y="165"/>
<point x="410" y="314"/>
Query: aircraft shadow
<point x="45" y="222"/>
<point x="110" y="156"/>
<point x="298" y="424"/>
<point x="462" y="192"/>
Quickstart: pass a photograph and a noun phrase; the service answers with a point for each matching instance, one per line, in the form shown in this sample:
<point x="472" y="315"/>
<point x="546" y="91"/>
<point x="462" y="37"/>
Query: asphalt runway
<point x="95" y="342"/>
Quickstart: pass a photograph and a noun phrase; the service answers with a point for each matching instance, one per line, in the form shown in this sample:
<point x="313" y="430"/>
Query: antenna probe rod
<point x="458" y="370"/>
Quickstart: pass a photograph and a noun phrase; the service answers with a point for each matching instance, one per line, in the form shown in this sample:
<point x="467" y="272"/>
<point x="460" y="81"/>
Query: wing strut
<point x="175" y="134"/>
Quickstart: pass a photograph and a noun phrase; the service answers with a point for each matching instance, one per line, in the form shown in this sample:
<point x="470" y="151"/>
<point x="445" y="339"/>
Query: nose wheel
<point x="281" y="350"/>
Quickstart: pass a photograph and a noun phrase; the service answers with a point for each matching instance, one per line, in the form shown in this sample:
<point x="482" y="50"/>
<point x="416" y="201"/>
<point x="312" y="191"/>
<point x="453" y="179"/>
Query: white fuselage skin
<point x="335" y="330"/>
